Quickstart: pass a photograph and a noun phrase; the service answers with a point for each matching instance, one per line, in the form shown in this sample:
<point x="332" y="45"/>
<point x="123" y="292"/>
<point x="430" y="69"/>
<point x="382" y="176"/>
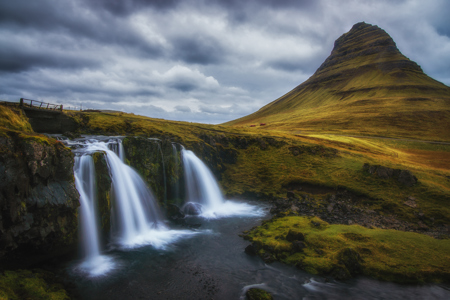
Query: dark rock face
<point x="104" y="181"/>
<point x="405" y="177"/>
<point x="250" y="250"/>
<point x="295" y="235"/>
<point x="154" y="160"/>
<point x="192" y="208"/>
<point x="298" y="246"/>
<point x="38" y="198"/>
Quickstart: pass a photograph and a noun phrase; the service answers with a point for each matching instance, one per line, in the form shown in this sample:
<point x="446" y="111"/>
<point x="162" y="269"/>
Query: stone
<point x="407" y="178"/>
<point x="174" y="212"/>
<point x="250" y="250"/>
<point x="351" y="260"/>
<point x="330" y="207"/>
<point x="192" y="208"/>
<point x="384" y="172"/>
<point x="298" y="246"/>
<point x="258" y="294"/>
<point x="294" y="235"/>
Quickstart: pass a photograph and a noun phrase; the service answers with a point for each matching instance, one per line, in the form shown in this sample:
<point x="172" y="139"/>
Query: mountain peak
<point x="366" y="43"/>
<point x="366" y="86"/>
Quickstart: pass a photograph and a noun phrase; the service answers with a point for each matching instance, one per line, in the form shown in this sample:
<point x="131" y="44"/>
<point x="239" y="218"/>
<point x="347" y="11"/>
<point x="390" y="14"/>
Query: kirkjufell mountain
<point x="366" y="86"/>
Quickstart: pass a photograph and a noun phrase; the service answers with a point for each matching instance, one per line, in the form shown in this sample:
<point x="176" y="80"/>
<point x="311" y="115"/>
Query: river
<point x="212" y="264"/>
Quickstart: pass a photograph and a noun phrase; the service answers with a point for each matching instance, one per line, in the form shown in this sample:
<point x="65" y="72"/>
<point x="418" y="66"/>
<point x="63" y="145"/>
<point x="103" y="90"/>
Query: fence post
<point x="21" y="102"/>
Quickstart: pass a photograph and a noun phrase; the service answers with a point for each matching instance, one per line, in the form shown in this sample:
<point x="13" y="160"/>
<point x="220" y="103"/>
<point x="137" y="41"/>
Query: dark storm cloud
<point x="194" y="60"/>
<point x="201" y="50"/>
<point x="71" y="19"/>
<point x="19" y="58"/>
<point x="126" y="7"/>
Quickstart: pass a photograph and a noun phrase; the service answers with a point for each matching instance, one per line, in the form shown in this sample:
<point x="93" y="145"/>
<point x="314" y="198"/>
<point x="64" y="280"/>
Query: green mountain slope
<point x="366" y="86"/>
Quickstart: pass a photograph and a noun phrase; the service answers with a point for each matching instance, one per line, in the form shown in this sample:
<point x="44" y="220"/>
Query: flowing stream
<point x="148" y="259"/>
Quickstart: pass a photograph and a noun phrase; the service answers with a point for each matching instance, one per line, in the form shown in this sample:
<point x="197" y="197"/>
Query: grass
<point x="392" y="255"/>
<point x="25" y="284"/>
<point x="380" y="94"/>
<point x="13" y="119"/>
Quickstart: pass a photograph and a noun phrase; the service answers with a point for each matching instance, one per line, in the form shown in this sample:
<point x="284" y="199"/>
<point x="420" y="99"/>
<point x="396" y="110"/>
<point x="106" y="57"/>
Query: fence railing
<point x="39" y="104"/>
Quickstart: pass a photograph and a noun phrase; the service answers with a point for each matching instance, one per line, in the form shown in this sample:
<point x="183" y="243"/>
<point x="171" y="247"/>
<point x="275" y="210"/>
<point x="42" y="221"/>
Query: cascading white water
<point x="85" y="183"/>
<point x="93" y="263"/>
<point x="136" y="209"/>
<point x="135" y="215"/>
<point x="203" y="193"/>
<point x="200" y="183"/>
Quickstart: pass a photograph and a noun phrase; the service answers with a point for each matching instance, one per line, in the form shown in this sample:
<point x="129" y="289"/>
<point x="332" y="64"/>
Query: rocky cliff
<point x="38" y="198"/>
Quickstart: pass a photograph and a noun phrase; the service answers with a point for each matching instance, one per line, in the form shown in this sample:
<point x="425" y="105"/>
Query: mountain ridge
<point x="366" y="79"/>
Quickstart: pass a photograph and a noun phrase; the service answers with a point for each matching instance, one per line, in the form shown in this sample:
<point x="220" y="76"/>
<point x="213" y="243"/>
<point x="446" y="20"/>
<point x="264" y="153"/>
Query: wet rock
<point x="351" y="260"/>
<point x="258" y="294"/>
<point x="250" y="250"/>
<point x="298" y="246"/>
<point x="341" y="273"/>
<point x="192" y="208"/>
<point x="174" y="212"/>
<point x="295" y="235"/>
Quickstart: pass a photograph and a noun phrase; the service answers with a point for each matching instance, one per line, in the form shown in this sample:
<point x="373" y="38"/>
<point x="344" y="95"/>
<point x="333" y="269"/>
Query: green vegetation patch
<point x="14" y="119"/>
<point x="343" y="251"/>
<point x="25" y="284"/>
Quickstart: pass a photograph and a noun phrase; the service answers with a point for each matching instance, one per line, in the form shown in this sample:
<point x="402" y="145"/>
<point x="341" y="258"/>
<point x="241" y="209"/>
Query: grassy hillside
<point x="366" y="87"/>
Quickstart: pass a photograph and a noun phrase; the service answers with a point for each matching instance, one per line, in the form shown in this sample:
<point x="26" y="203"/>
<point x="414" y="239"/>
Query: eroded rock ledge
<point x="38" y="198"/>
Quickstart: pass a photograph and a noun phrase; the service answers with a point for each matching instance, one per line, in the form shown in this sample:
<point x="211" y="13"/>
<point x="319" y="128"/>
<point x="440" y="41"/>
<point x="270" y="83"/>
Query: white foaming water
<point x="203" y="189"/>
<point x="136" y="217"/>
<point x="93" y="263"/>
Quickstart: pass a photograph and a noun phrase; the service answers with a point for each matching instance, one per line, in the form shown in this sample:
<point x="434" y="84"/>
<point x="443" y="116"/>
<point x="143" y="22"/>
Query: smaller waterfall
<point x="203" y="193"/>
<point x="201" y="186"/>
<point x="93" y="263"/>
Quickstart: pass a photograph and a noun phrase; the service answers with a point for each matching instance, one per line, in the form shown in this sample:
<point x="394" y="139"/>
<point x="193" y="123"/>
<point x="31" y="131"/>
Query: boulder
<point x="295" y="235"/>
<point x="298" y="246"/>
<point x="192" y="208"/>
<point x="351" y="260"/>
<point x="407" y="178"/>
<point x="250" y="250"/>
<point x="258" y="294"/>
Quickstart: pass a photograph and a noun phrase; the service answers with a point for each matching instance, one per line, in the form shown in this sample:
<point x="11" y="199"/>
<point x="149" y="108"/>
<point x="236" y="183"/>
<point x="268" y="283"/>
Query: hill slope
<point x="366" y="86"/>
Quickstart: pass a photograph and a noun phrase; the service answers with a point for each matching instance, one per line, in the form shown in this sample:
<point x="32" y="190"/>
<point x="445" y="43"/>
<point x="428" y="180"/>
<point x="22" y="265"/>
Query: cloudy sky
<point x="204" y="61"/>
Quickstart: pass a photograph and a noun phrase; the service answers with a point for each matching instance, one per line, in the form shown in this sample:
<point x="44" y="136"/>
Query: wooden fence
<point x="39" y="104"/>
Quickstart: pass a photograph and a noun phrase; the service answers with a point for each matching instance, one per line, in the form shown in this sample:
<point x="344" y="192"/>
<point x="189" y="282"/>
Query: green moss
<point x="14" y="119"/>
<point x="258" y="294"/>
<point x="25" y="284"/>
<point x="385" y="254"/>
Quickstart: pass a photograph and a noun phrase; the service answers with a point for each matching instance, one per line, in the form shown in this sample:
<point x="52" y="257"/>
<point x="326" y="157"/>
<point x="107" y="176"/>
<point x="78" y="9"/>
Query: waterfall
<point x="93" y="263"/>
<point x="204" y="197"/>
<point x="136" y="219"/>
<point x="136" y="211"/>
<point x="86" y="186"/>
<point x="201" y="186"/>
